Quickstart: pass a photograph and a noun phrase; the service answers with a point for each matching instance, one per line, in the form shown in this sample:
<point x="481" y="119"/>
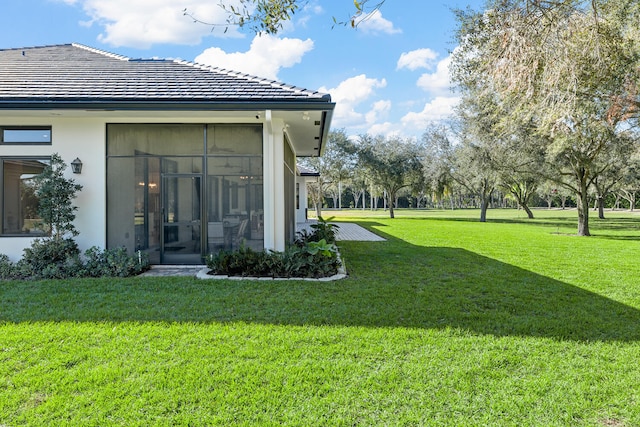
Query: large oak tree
<point x="569" y="67"/>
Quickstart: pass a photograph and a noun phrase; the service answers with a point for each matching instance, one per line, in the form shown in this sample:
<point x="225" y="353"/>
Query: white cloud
<point x="375" y="23"/>
<point x="349" y="94"/>
<point x="266" y="56"/>
<point x="438" y="83"/>
<point x="142" y="23"/>
<point x="439" y="109"/>
<point x="387" y="129"/>
<point x="420" y="58"/>
<point x="379" y="110"/>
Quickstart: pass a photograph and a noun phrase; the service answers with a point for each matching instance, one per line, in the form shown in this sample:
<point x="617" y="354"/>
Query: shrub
<point x="113" y="263"/>
<point x="321" y="230"/>
<point x="49" y="259"/>
<point x="313" y="260"/>
<point x="52" y="259"/>
<point x="8" y="270"/>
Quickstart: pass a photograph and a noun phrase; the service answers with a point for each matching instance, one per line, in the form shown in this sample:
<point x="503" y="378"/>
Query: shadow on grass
<point x="391" y="284"/>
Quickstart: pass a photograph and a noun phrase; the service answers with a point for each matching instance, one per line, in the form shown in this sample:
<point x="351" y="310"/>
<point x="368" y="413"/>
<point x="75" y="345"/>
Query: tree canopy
<point x="269" y="16"/>
<point x="569" y="70"/>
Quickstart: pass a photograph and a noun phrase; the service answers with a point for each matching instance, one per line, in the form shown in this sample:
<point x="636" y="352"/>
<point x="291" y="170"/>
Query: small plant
<point x="322" y="230"/>
<point x="113" y="263"/>
<point x="8" y="270"/>
<point x="56" y="194"/>
<point x="49" y="258"/>
<point x="322" y="247"/>
<point x="316" y="259"/>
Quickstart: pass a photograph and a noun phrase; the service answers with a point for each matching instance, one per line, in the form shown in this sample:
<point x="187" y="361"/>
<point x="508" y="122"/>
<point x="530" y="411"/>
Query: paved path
<point x="346" y="231"/>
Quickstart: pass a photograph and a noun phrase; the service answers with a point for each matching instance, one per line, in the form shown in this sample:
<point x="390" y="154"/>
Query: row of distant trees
<point x="550" y="98"/>
<point x="390" y="172"/>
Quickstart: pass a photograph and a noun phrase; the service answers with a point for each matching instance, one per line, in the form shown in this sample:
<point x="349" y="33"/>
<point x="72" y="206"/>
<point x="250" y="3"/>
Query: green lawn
<point x="450" y="322"/>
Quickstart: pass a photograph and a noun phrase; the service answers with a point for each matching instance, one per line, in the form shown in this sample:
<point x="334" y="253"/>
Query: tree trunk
<point x="601" y="207"/>
<point x="583" y="212"/>
<point x="483" y="210"/>
<point x="522" y="201"/>
<point x="390" y="197"/>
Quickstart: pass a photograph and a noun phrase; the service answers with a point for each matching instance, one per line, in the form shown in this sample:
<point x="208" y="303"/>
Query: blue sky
<point x="389" y="76"/>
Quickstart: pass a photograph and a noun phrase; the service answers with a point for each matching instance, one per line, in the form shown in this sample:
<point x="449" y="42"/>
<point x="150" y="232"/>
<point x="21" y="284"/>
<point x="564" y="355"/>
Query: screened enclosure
<point x="182" y="191"/>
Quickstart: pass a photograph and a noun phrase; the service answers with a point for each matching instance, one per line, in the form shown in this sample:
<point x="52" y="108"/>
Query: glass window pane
<point x="20" y="202"/>
<point x="182" y="165"/>
<point x="234" y="139"/>
<point x="30" y="135"/>
<point x="235" y="203"/>
<point x="122" y="182"/>
<point x="154" y="139"/>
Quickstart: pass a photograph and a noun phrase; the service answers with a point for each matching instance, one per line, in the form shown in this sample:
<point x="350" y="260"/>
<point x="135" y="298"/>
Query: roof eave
<point x="165" y="105"/>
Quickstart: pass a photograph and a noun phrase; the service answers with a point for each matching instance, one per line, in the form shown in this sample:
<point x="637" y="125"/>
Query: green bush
<point x="61" y="259"/>
<point x="321" y="230"/>
<point x="49" y="259"/>
<point x="113" y="263"/>
<point x="8" y="270"/>
<point x="313" y="260"/>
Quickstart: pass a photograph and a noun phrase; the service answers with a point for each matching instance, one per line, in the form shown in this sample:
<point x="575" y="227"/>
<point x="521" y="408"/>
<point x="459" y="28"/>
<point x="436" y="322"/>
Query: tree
<point x="334" y="166"/>
<point x="391" y="163"/>
<point x="619" y="160"/>
<point x="269" y="16"/>
<point x="471" y="169"/>
<point x="629" y="185"/>
<point x="358" y="183"/>
<point x="568" y="67"/>
<point x="436" y="153"/>
<point x="56" y="194"/>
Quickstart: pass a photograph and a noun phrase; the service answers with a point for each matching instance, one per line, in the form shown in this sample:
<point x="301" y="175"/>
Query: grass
<point x="449" y="322"/>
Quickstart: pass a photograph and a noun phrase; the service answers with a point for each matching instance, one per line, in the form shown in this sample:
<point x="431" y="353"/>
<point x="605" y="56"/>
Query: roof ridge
<point x="36" y="47"/>
<point x="249" y="77"/>
<point x="101" y="52"/>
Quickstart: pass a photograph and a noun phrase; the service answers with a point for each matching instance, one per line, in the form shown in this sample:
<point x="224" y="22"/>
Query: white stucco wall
<point x="301" y="181"/>
<point x="71" y="138"/>
<point x="83" y="135"/>
<point x="273" y="151"/>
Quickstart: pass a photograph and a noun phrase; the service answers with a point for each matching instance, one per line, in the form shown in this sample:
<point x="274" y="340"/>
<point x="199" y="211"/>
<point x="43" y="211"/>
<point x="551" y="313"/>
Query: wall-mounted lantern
<point x="76" y="166"/>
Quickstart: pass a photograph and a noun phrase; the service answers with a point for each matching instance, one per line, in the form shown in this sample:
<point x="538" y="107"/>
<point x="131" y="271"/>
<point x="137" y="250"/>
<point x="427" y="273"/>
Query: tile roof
<point x="74" y="73"/>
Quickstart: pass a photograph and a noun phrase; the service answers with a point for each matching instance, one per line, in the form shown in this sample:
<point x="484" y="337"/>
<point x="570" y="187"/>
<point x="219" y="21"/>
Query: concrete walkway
<point x="346" y="231"/>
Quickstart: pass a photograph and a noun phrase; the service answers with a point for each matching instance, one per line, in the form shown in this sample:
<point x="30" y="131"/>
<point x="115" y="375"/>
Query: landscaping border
<point x="341" y="274"/>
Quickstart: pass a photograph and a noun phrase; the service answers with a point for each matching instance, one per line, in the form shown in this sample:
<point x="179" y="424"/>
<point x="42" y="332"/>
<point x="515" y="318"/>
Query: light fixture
<point x="305" y="115"/>
<point x="76" y="166"/>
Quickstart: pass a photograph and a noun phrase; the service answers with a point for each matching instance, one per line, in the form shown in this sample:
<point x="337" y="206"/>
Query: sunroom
<point x="178" y="160"/>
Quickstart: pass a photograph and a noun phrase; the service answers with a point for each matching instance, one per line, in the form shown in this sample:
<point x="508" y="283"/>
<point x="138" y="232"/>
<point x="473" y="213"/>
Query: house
<point x="303" y="178"/>
<point x="177" y="159"/>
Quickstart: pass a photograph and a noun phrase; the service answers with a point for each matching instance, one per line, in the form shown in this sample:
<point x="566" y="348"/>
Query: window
<point x="25" y="134"/>
<point x="19" y="200"/>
